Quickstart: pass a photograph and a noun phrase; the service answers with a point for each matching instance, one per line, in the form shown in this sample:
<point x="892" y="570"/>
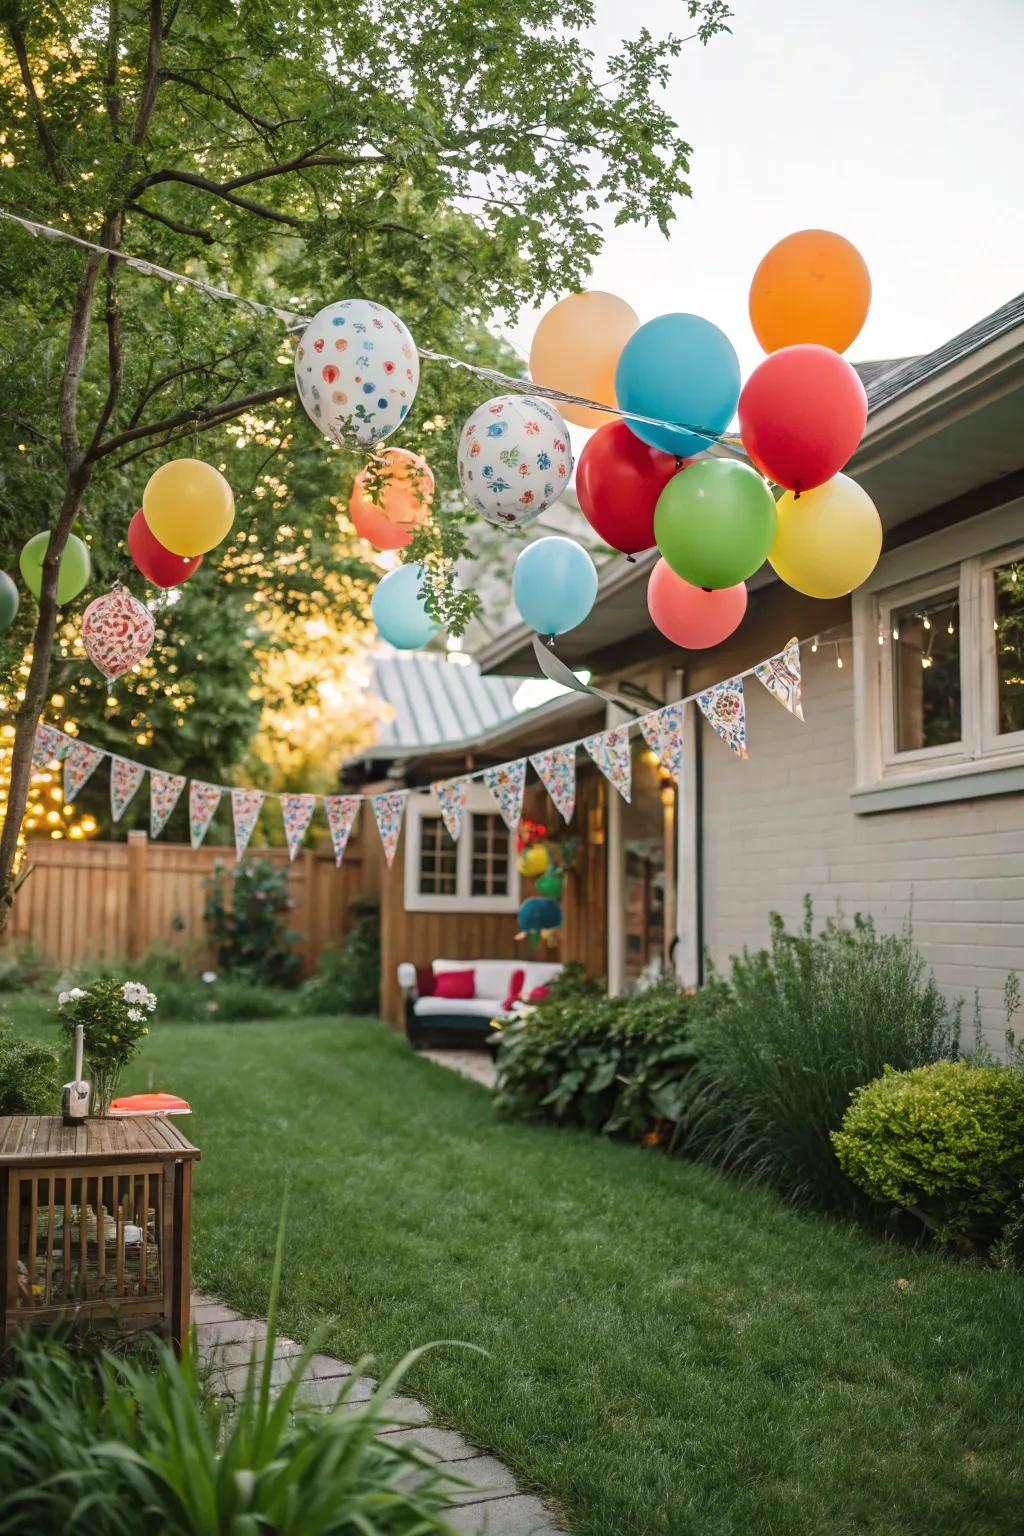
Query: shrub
<point x="348" y="980"/>
<point x="611" y="1064"/>
<point x="29" y="1076"/>
<point x="22" y="969"/>
<point x="946" y="1142"/>
<point x="228" y="1001"/>
<point x="782" y="1043"/>
<point x="245" y="916"/>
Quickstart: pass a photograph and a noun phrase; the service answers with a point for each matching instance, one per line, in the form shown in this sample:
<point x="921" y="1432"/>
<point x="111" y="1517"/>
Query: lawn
<point x="669" y="1352"/>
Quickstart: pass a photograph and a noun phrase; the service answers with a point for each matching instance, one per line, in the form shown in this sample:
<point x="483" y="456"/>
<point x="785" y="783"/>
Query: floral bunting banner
<point x="725" y="711"/>
<point x="387" y="811"/>
<point x="164" y="790"/>
<point x="341" y="813"/>
<point x="79" y="763"/>
<point x="451" y="797"/>
<point x="296" y="813"/>
<point x="556" y="769"/>
<point x="610" y="751"/>
<point x="781" y="676"/>
<point x="49" y="744"/>
<point x="246" y="805"/>
<point x="663" y="733"/>
<point x="506" y="784"/>
<point x="203" y="800"/>
<point x="125" y="778"/>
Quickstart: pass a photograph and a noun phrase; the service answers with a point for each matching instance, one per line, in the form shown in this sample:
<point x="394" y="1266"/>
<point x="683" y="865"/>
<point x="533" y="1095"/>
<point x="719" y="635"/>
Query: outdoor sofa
<point x="495" y="985"/>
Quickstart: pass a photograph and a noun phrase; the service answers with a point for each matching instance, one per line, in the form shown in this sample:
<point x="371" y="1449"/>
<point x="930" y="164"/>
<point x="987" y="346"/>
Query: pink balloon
<point x="689" y="616"/>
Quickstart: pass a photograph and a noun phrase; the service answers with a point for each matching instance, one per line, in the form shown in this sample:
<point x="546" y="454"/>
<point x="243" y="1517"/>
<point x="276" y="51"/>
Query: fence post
<point x="137" y="924"/>
<point x="309" y="893"/>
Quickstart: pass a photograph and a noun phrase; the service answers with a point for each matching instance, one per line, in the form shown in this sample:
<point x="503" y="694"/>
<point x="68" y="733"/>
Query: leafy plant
<point x="228" y="1001"/>
<point x="245" y="917"/>
<point x="944" y="1141"/>
<point x="348" y="980"/>
<point x="610" y="1064"/>
<point x="22" y="969"/>
<point x="29" y="1075"/>
<point x="784" y="1040"/>
<point x="114" y="1016"/>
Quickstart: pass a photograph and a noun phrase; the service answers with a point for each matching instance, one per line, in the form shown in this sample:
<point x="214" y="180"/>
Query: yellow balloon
<point x="828" y="540"/>
<point x="575" y="349"/>
<point x="533" y="860"/>
<point x="188" y="506"/>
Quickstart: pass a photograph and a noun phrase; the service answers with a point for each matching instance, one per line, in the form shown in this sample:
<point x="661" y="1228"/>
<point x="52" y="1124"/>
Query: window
<point x="438" y="859"/>
<point x="476" y="874"/>
<point x="924" y="642"/>
<point x="489" y="874"/>
<point x="1008" y="632"/>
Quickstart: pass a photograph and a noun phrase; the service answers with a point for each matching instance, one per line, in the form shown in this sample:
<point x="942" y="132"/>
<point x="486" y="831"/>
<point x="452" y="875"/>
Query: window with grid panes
<point x="490" y="861"/>
<point x="438" y="871"/>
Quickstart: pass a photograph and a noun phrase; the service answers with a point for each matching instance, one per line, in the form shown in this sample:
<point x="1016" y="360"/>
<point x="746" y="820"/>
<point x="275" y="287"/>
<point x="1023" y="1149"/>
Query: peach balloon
<point x="689" y="616"/>
<point x="575" y="349"/>
<point x="813" y="286"/>
<point x="388" y="504"/>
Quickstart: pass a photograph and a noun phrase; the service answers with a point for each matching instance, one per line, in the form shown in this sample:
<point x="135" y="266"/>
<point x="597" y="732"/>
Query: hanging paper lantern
<point x="357" y="371"/>
<point x="539" y="914"/>
<point x="515" y="459"/>
<point x="828" y="539"/>
<point x="533" y="861"/>
<point x="117" y="631"/>
<point x="689" y="616"/>
<point x="72" y="574"/>
<point x="399" y="611"/>
<point x="618" y="481"/>
<point x="812" y="286"/>
<point x="9" y="602"/>
<point x="680" y="368"/>
<point x="554" y="585"/>
<point x="802" y="413"/>
<point x="575" y="349"/>
<point x="715" y="522"/>
<point x="391" y="497"/>
<point x="550" y="883"/>
<point x="156" y="563"/>
<point x="188" y="506"/>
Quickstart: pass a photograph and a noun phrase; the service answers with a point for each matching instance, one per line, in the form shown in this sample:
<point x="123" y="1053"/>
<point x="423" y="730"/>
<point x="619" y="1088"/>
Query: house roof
<point x="431" y="699"/>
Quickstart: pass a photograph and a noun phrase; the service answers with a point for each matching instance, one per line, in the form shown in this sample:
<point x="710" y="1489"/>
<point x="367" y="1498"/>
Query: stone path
<point x="493" y="1506"/>
<point x="479" y="1065"/>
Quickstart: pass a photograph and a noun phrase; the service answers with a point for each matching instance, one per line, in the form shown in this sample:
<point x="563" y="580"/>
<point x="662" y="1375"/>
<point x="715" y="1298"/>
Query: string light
<point x="814" y="646"/>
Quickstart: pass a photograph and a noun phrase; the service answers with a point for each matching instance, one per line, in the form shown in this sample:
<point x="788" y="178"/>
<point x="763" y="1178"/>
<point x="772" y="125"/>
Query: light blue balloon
<point x="679" y="368"/>
<point x="399" y="612"/>
<point x="554" y="585"/>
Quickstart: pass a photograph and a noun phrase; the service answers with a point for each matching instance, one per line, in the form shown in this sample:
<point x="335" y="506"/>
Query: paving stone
<point x="490" y="1479"/>
<point x="519" y="1515"/>
<point x="220" y="1354"/>
<point x="234" y="1331"/>
<point x="324" y="1391"/>
<point x="231" y="1379"/>
<point x="440" y="1444"/>
<point x="206" y="1310"/>
<point x="477" y="1065"/>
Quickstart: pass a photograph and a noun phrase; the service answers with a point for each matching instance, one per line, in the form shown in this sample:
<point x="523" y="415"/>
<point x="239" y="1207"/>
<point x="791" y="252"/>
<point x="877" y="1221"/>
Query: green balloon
<point x="72" y="575"/>
<point x="8" y="602"/>
<point x="550" y="884"/>
<point x="715" y="522"/>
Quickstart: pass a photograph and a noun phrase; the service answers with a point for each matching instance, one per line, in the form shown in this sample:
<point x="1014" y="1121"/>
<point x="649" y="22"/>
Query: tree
<point x="447" y="161"/>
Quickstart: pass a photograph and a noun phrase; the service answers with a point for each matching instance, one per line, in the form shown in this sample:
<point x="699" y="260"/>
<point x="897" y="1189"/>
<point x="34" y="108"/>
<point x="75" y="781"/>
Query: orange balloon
<point x="575" y="349"/>
<point x="812" y="287"/>
<point x="391" y="497"/>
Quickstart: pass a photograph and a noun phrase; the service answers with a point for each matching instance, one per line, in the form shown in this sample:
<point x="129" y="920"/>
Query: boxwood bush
<point x="29" y="1075"/>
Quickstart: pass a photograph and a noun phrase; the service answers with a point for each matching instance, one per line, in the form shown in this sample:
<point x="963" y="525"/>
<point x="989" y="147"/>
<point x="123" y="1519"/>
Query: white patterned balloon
<point x="515" y="459"/>
<point x="357" y="371"/>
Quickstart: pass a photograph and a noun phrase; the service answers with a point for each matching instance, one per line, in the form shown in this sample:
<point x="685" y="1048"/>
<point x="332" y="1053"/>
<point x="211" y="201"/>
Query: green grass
<point x="670" y="1352"/>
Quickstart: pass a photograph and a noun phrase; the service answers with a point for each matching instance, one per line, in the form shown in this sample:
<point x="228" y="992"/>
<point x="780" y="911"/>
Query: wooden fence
<point x="112" y="901"/>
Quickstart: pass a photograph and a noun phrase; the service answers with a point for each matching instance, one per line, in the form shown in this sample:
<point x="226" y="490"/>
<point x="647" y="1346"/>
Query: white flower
<point x="134" y="992"/>
<point x="136" y="1015"/>
<point x="76" y="993"/>
<point x="64" y="997"/>
<point x="150" y="1001"/>
<point x="209" y="976"/>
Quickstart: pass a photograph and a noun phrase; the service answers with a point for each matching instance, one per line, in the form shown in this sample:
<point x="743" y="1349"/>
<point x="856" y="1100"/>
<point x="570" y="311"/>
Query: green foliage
<point x="29" y="1075"/>
<point x="22" y="969"/>
<point x="610" y="1064"/>
<point x="245" y="917"/>
<point x="348" y="978"/>
<point x="945" y="1141"/>
<point x="115" y="1020"/>
<point x="229" y="1001"/>
<point x="782" y="1043"/>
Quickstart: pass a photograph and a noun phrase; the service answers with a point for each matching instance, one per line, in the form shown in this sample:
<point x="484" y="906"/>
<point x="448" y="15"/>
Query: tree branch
<point x="179" y="229"/>
<point x="153" y="387"/>
<point x="46" y="138"/>
<point x="189" y="179"/>
<point x="199" y="416"/>
<point x="232" y="103"/>
<point x="152" y="77"/>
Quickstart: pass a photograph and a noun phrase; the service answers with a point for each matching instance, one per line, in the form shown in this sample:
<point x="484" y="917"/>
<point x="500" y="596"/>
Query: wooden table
<point x="95" y="1223"/>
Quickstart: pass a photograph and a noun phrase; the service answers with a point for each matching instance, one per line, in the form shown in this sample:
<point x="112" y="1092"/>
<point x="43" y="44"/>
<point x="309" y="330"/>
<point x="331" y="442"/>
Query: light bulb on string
<point x="927" y="622"/>
<point x="814" y="646"/>
<point x="895" y="633"/>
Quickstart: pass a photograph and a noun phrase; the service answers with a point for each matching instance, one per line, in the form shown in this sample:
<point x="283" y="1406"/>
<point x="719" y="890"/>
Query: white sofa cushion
<point x="466" y="1007"/>
<point x="539" y="973"/>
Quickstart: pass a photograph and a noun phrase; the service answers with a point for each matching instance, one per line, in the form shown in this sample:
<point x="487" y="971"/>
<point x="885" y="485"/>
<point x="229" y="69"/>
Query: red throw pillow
<point x="425" y="981"/>
<point x="455" y="984"/>
<point x="537" y="995"/>
<point x="515" y="989"/>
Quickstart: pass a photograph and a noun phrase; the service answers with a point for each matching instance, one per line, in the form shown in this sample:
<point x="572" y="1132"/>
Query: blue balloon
<point x="679" y="368"/>
<point x="539" y="913"/>
<point x="399" y="612"/>
<point x="554" y="585"/>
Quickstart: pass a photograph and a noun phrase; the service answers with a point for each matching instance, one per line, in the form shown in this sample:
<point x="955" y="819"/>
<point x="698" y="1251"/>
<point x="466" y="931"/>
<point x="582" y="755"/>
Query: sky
<point x="897" y="123"/>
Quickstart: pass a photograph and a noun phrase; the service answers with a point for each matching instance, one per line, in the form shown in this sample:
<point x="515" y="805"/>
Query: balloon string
<point x="294" y="321"/>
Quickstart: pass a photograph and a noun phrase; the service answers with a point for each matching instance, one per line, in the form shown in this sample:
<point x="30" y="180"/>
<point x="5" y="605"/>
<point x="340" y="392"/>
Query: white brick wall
<point x="781" y="824"/>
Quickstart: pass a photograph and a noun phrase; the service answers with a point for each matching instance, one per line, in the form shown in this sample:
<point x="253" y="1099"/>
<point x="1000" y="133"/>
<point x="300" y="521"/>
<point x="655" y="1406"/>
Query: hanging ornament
<point x="117" y="631"/>
<point x="188" y="506"/>
<point x="357" y="372"/>
<point x="515" y="459"/>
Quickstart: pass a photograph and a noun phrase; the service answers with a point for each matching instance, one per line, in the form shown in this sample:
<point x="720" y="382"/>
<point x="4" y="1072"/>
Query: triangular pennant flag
<point x="610" y="751"/>
<point x="451" y="797"/>
<point x="297" y="813"/>
<point x="506" y="784"/>
<point x="341" y="813"/>
<point x="164" y="789"/>
<point x="781" y="676"/>
<point x="556" y="768"/>
<point x="49" y="744"/>
<point x="387" y="811"/>
<point x="125" y="778"/>
<point x="78" y="765"/>
<point x="246" y="805"/>
<point x="203" y="800"/>
<point x="663" y="733"/>
<point x="725" y="711"/>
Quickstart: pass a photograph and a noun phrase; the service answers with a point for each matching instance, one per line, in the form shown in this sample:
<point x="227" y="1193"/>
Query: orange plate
<point x="150" y="1104"/>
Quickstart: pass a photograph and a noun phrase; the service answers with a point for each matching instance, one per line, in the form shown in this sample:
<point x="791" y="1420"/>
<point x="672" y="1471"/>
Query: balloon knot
<point x="630" y="560"/>
<point x="707" y="589"/>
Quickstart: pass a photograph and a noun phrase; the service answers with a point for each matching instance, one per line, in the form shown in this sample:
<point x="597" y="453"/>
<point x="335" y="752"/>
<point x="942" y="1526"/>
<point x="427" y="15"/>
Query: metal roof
<point x="435" y="700"/>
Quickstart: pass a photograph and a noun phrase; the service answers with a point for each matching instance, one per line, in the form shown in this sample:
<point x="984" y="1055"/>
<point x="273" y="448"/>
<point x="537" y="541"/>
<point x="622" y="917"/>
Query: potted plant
<point x="114" y="1017"/>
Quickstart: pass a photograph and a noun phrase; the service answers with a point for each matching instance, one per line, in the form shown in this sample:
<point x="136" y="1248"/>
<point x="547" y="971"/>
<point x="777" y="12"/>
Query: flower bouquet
<point x="114" y="1017"/>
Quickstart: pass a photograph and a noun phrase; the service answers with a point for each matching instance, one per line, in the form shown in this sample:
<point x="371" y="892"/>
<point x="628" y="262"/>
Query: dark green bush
<point x="22" y="969"/>
<point x="794" y="1029"/>
<point x="348" y="979"/>
<point x="610" y="1064"/>
<point x="228" y="1001"/>
<point x="29" y="1076"/>
<point x="245" y="913"/>
<point x="945" y="1142"/>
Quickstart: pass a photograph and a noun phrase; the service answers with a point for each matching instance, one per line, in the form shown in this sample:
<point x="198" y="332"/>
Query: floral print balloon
<point x="515" y="459"/>
<point x="357" y="372"/>
<point x="117" y="631"/>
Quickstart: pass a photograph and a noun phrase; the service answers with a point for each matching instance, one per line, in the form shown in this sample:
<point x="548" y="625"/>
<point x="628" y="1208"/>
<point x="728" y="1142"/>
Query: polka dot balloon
<point x="515" y="459"/>
<point x="357" y="371"/>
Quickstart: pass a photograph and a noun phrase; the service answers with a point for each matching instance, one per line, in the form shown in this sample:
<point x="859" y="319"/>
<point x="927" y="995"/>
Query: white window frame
<point x="915" y="594"/>
<point x="991" y="740"/>
<point x="422" y="807"/>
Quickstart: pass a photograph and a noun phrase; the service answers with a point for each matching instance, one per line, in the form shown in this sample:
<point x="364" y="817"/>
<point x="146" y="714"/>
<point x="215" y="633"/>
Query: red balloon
<point x="802" y="413"/>
<point x="618" y="482"/>
<point x="689" y="616"/>
<point x="157" y="563"/>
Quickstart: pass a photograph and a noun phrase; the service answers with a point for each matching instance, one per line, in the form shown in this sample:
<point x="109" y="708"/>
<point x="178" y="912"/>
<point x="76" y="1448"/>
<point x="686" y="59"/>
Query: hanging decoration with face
<point x="515" y="459"/>
<point x="357" y="372"/>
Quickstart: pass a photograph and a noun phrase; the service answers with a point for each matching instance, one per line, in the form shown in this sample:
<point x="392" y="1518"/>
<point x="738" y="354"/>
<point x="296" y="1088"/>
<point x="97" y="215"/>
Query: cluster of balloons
<point x="187" y="510"/>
